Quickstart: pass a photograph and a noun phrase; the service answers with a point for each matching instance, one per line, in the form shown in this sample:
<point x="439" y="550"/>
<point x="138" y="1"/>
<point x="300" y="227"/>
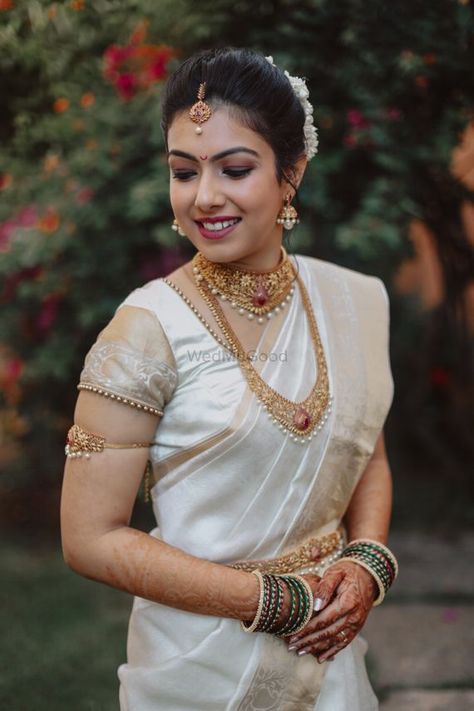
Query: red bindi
<point x="203" y="157"/>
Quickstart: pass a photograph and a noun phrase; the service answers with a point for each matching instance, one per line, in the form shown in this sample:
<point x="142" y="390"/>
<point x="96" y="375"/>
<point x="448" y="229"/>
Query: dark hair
<point x="249" y="85"/>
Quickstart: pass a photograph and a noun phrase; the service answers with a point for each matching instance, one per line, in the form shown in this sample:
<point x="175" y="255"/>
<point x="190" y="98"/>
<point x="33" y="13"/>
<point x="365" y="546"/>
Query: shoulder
<point x="155" y="294"/>
<point x="336" y="276"/>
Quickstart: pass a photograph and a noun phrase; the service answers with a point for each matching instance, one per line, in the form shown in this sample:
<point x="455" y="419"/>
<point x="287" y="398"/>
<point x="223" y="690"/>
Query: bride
<point x="257" y="385"/>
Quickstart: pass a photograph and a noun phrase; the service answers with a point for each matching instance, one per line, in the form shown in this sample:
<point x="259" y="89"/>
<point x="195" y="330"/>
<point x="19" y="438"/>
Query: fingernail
<point x="301" y="652"/>
<point x="318" y="603"/>
<point x="291" y="648"/>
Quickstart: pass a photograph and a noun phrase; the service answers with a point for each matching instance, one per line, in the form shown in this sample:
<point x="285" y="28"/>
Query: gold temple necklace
<point x="258" y="295"/>
<point x="302" y="420"/>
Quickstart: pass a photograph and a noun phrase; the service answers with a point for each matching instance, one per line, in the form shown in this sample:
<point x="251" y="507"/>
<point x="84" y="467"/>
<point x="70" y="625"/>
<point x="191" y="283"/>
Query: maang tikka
<point x="200" y="112"/>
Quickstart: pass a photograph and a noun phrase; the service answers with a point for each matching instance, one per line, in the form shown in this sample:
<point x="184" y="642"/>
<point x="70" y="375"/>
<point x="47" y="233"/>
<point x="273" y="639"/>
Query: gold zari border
<point x="307" y="554"/>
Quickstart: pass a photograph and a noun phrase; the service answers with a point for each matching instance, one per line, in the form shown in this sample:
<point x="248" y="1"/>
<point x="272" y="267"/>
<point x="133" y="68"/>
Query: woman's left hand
<point x="346" y="593"/>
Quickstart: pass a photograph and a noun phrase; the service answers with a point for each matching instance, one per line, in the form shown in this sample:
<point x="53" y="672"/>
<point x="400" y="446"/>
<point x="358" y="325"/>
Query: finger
<point x="321" y="640"/>
<point x="331" y="652"/>
<point x="326" y="588"/>
<point x="330" y="649"/>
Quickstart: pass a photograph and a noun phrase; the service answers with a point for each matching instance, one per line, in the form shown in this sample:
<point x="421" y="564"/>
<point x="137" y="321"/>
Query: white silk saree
<point x="231" y="486"/>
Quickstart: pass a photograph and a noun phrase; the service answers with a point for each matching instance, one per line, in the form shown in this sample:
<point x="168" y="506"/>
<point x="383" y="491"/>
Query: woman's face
<point x="224" y="190"/>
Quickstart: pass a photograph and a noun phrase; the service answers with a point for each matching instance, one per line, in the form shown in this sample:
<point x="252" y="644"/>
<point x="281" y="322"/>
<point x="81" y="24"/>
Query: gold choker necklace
<point x="256" y="294"/>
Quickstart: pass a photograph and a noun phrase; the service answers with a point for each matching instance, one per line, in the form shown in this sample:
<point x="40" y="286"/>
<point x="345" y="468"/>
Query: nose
<point x="209" y="194"/>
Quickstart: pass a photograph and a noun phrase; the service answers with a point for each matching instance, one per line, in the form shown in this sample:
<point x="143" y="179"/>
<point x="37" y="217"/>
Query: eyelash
<point x="234" y="173"/>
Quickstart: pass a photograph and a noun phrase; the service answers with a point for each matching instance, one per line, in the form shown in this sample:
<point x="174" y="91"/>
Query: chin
<point x="221" y="251"/>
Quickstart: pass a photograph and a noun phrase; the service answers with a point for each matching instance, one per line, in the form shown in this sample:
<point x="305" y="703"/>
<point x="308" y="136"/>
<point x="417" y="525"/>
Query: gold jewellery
<point x="256" y="294"/>
<point x="82" y="443"/>
<point x="288" y="217"/>
<point x="300" y="419"/>
<point x="316" y="552"/>
<point x="200" y="112"/>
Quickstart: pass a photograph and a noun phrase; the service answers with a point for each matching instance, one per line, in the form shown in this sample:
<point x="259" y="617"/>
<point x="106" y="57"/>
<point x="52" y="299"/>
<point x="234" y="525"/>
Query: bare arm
<point x="347" y="591"/>
<point x="96" y="506"/>
<point x="368" y="514"/>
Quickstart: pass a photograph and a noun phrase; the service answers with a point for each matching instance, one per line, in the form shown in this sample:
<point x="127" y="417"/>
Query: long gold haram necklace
<point x="301" y="419"/>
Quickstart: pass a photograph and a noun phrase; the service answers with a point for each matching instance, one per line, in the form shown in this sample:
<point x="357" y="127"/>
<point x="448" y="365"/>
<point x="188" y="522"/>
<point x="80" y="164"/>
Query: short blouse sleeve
<point x="132" y="362"/>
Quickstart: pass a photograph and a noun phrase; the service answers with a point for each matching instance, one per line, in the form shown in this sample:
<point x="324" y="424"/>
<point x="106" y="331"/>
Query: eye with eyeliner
<point x="234" y="173"/>
<point x="182" y="174"/>
<point x="237" y="172"/>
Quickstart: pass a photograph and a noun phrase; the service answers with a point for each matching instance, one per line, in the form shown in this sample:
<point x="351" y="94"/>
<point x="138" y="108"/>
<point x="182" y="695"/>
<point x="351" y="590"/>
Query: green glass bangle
<point x="293" y="598"/>
<point x="268" y="615"/>
<point x="374" y="563"/>
<point x="373" y="568"/>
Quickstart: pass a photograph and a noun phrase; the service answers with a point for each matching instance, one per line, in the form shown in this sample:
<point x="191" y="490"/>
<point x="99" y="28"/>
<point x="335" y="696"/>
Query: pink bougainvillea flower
<point x="27" y="216"/>
<point x="48" y="313"/>
<point x="357" y="119"/>
<point x="136" y="66"/>
<point x="127" y="85"/>
<point x="13" y="369"/>
<point x="114" y="57"/>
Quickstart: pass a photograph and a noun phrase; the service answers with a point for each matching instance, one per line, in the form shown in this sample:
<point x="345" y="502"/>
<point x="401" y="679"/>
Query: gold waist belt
<point x="316" y="553"/>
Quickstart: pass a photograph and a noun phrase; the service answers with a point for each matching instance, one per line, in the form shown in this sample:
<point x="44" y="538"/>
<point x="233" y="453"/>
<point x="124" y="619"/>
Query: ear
<point x="294" y="177"/>
<point x="300" y="168"/>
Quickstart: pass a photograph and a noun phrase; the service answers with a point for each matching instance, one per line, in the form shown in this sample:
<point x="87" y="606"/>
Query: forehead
<point x="222" y="131"/>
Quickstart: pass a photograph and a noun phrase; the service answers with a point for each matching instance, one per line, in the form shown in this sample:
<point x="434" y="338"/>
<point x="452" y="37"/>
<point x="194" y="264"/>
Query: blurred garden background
<point x="85" y="218"/>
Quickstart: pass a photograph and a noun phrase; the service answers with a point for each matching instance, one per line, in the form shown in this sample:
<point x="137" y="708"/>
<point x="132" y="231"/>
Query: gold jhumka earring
<point x="200" y="112"/>
<point x="288" y="217"/>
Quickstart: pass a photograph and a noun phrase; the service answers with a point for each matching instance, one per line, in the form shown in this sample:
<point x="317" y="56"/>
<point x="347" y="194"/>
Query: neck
<point x="261" y="263"/>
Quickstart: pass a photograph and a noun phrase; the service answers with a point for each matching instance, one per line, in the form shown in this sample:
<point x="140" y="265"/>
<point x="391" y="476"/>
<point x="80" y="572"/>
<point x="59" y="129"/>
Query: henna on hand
<point x="347" y="593"/>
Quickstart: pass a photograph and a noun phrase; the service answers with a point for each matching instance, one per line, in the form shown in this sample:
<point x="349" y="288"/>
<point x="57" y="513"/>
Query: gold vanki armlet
<point x="80" y="443"/>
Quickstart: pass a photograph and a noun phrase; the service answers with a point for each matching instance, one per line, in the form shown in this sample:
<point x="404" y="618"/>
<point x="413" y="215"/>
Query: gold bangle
<point x="256" y="619"/>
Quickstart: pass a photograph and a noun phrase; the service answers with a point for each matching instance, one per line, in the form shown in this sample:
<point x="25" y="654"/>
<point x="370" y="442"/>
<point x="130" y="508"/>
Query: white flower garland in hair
<point x="310" y="131"/>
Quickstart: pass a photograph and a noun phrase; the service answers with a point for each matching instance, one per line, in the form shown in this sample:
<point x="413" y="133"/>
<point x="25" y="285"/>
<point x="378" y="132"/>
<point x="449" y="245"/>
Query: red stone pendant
<point x="260" y="296"/>
<point x="301" y="419"/>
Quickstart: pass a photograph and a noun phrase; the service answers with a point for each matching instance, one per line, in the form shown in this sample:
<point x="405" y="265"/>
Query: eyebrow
<point x="217" y="156"/>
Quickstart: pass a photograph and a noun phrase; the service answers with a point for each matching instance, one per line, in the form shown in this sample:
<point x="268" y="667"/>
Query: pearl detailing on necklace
<point x="260" y="319"/>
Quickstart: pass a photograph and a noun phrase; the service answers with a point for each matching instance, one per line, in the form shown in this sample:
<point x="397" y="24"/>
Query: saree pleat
<point x="231" y="486"/>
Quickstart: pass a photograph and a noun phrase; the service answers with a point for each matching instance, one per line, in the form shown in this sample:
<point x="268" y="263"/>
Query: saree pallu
<point x="231" y="486"/>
